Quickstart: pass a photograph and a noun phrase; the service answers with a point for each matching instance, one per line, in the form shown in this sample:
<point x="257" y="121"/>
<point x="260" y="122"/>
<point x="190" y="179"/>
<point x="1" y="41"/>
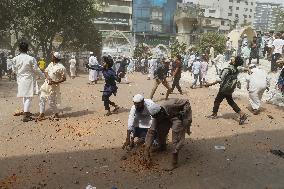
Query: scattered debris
<point x="220" y="147"/>
<point x="90" y="187"/>
<point x="270" y="116"/>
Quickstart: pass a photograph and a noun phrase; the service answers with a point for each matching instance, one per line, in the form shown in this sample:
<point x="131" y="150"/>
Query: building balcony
<point x="118" y="9"/>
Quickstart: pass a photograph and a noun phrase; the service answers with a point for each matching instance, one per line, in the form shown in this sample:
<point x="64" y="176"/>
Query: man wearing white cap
<point x="175" y="114"/>
<point x="139" y="120"/>
<point x="257" y="82"/>
<point x="93" y="74"/>
<point x="72" y="63"/>
<point x="55" y="74"/>
<point x="27" y="71"/>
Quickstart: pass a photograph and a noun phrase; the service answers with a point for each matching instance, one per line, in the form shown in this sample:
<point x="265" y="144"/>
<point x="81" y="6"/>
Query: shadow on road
<point x="245" y="163"/>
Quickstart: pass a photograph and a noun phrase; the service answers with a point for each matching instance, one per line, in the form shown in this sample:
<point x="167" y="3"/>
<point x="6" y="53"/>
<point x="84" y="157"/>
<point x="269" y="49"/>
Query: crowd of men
<point x="150" y="122"/>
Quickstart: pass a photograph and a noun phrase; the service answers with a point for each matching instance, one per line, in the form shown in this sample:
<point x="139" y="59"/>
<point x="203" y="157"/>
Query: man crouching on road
<point x="175" y="114"/>
<point x="139" y="120"/>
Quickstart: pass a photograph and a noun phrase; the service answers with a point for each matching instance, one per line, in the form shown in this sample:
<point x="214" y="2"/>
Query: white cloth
<point x="257" y="82"/>
<point x="196" y="67"/>
<point x="255" y="98"/>
<point x="10" y="64"/>
<point x="219" y="62"/>
<point x="52" y="103"/>
<point x="191" y="60"/>
<point x="140" y="119"/>
<point x="278" y="45"/>
<point x="212" y="53"/>
<point x="26" y="70"/>
<point x="55" y="72"/>
<point x="27" y="103"/>
<point x="152" y="67"/>
<point x="93" y="74"/>
<point x="72" y="63"/>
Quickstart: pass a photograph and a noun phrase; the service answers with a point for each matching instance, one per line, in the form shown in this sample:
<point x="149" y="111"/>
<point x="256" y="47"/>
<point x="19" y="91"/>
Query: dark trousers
<point x="107" y="102"/>
<point x="257" y="60"/>
<point x="275" y="57"/>
<point x="220" y="97"/>
<point x="176" y="84"/>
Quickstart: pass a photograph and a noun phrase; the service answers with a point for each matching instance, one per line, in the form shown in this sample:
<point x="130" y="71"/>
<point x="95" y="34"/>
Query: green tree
<point x="211" y="39"/>
<point x="40" y="22"/>
<point x="177" y="48"/>
<point x="142" y="51"/>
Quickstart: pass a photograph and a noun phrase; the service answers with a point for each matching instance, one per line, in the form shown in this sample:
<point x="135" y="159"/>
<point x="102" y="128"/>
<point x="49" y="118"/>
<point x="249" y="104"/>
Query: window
<point x="231" y="7"/>
<point x="245" y="16"/>
<point x="236" y="15"/>
<point x="229" y="14"/>
<point x="251" y="3"/>
<point x="246" y="3"/>
<point x="250" y="10"/>
<point x="246" y="9"/>
<point x="237" y="8"/>
<point x="222" y="23"/>
<point x="238" y="1"/>
<point x="249" y="16"/>
<point x="212" y="11"/>
<point x="231" y="1"/>
<point x="208" y="21"/>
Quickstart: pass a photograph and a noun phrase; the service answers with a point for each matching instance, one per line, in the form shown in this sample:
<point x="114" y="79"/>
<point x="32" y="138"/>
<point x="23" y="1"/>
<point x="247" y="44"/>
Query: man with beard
<point x="139" y="120"/>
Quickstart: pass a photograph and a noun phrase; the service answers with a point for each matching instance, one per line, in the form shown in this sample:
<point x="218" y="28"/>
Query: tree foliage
<point x="142" y="51"/>
<point x="208" y="40"/>
<point x="40" y="21"/>
<point x="177" y="48"/>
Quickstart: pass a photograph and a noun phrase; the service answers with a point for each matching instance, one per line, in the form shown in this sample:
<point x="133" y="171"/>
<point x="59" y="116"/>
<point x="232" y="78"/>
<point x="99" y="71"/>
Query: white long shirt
<point x="93" y="61"/>
<point x="72" y="62"/>
<point x="258" y="79"/>
<point x="141" y="120"/>
<point x="191" y="60"/>
<point x="26" y="70"/>
<point x="9" y="64"/>
<point x="278" y="46"/>
<point x="196" y="67"/>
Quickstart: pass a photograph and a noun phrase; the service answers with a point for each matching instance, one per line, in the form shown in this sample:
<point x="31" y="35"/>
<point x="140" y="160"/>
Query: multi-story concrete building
<point x="194" y="19"/>
<point x="238" y="11"/>
<point x="115" y="15"/>
<point x="265" y="16"/>
<point x="115" y="24"/>
<point x="153" y="20"/>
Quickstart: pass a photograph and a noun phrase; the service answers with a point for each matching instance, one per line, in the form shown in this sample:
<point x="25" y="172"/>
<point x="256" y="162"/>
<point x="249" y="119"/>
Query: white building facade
<point x="266" y="16"/>
<point x="240" y="12"/>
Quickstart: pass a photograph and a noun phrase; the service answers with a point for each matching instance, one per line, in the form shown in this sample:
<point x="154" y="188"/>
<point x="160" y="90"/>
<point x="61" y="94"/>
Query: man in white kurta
<point x="219" y="63"/>
<point x="93" y="74"/>
<point x="151" y="68"/>
<point x="27" y="71"/>
<point x="55" y="74"/>
<point x="257" y="82"/>
<point x="139" y="120"/>
<point x="72" y="63"/>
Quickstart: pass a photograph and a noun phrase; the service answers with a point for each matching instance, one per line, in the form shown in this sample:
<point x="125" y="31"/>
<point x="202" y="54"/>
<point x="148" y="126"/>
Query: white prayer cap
<point x="198" y="58"/>
<point x="138" y="98"/>
<point x="154" y="109"/>
<point x="72" y="56"/>
<point x="91" y="53"/>
<point x="57" y="55"/>
<point x="245" y="35"/>
<point x="10" y="56"/>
